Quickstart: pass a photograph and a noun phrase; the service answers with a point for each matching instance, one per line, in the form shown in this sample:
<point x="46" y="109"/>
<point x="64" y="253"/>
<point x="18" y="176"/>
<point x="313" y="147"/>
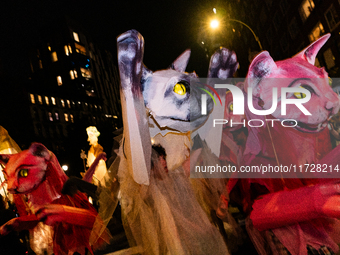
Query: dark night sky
<point x="169" y="27"/>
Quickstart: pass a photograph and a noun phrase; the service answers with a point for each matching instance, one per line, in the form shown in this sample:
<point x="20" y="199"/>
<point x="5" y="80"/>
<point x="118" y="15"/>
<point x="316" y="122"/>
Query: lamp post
<point x="251" y="30"/>
<point x="214" y="24"/>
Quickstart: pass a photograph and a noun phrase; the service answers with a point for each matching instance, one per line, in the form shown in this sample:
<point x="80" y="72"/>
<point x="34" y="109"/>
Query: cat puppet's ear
<point x="145" y="73"/>
<point x="4" y="158"/>
<point x="39" y="150"/>
<point x="180" y="64"/>
<point x="309" y="53"/>
<point x="261" y="67"/>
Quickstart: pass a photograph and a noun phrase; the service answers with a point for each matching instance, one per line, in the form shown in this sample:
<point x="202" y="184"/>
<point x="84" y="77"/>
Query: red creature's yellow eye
<point x="23" y="173"/>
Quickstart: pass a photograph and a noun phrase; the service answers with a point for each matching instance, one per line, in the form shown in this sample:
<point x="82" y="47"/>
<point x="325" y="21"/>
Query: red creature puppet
<point x="60" y="222"/>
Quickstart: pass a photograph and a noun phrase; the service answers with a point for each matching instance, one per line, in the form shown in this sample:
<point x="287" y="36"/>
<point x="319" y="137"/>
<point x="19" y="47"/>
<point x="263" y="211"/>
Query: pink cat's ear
<point x="39" y="150"/>
<point x="4" y="158"/>
<point x="309" y="53"/>
<point x="261" y="66"/>
<point x="180" y="64"/>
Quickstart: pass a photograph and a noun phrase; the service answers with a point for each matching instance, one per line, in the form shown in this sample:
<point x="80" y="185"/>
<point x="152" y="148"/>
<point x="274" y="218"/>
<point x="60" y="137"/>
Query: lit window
<point x="95" y="106"/>
<point x="86" y="73"/>
<point x="32" y="99"/>
<point x="306" y="8"/>
<point x="71" y="117"/>
<point x="57" y="116"/>
<point x="329" y="58"/>
<point x="71" y="74"/>
<point x="46" y="100"/>
<point x="49" y="47"/>
<point x="67" y="52"/>
<point x="332" y="17"/>
<point x="317" y="32"/>
<point x="59" y="80"/>
<point x="66" y="116"/>
<point x="75" y="36"/>
<point x="50" y="116"/>
<point x="80" y="49"/>
<point x="40" y="99"/>
<point x="54" y="56"/>
<point x="40" y="64"/>
<point x="53" y="100"/>
<point x="62" y="102"/>
<point x="68" y="103"/>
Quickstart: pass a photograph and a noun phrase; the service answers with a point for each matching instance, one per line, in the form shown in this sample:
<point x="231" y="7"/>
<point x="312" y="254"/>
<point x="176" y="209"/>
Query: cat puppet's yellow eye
<point x="180" y="89"/>
<point x="23" y="172"/>
<point x="299" y="95"/>
<point x="231" y="107"/>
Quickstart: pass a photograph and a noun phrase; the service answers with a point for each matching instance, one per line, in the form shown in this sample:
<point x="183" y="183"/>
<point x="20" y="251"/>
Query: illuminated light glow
<point x="214" y="10"/>
<point x="59" y="80"/>
<point x="214" y="24"/>
<point x="202" y="42"/>
<point x="32" y="99"/>
<point x="75" y="36"/>
<point x="65" y="167"/>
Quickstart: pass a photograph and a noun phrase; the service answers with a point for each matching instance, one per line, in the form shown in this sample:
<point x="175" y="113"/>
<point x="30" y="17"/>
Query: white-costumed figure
<point x="94" y="151"/>
<point x="160" y="210"/>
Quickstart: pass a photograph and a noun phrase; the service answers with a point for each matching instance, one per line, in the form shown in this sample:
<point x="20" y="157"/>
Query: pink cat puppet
<point x="293" y="211"/>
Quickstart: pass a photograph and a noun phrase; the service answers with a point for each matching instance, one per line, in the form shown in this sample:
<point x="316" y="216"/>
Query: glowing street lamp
<point x="65" y="167"/>
<point x="214" y="24"/>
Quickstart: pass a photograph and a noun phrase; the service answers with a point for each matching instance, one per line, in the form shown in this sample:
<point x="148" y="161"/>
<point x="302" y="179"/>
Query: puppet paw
<point x="51" y="214"/>
<point x="130" y="53"/>
<point x="223" y="64"/>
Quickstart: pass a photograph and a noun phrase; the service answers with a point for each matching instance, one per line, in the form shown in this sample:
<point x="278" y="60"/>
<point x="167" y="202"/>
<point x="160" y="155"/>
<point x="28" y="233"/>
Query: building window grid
<point x="332" y="18"/>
